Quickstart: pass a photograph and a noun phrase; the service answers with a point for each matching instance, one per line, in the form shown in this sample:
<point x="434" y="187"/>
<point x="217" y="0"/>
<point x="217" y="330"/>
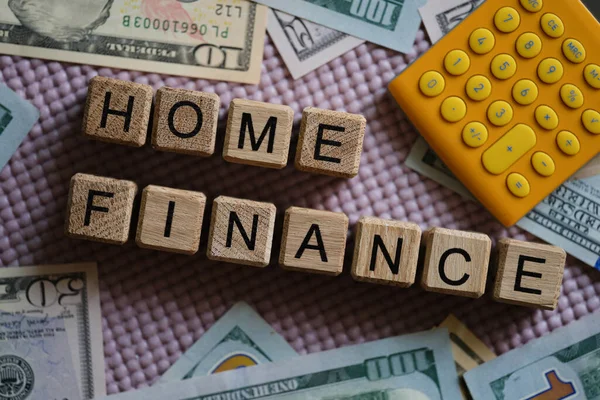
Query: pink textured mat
<point x="155" y="305"/>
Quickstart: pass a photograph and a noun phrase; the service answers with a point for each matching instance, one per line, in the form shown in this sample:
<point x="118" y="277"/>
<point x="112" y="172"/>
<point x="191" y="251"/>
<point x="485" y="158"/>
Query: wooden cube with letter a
<point x="529" y="274"/>
<point x="241" y="231"/>
<point x="100" y="208"/>
<point x="313" y="241"/>
<point x="170" y="219"/>
<point x="330" y="142"/>
<point x="185" y="121"/>
<point x="456" y="262"/>
<point x="258" y="133"/>
<point x="117" y="111"/>
<point x="386" y="252"/>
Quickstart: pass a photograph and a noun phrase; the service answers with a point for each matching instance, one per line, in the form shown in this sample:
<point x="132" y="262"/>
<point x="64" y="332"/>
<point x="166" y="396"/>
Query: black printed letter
<point x="442" y="264"/>
<point x="255" y="144"/>
<point x="127" y="114"/>
<point x="171" y="119"/>
<point x="321" y="141"/>
<point x="314" y="228"/>
<point x="521" y="272"/>
<point x="395" y="264"/>
<point x="250" y="242"/>
<point x="91" y="207"/>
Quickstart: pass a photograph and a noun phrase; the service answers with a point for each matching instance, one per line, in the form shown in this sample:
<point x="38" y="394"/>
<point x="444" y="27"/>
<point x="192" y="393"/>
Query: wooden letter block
<point x="170" y="219"/>
<point x="258" y="133"/>
<point x="386" y="252"/>
<point x="241" y="231"/>
<point x="100" y="208"/>
<point x="330" y="142"/>
<point x="117" y="111"/>
<point x="313" y="241"/>
<point x="529" y="274"/>
<point x="185" y="121"/>
<point x="456" y="262"/>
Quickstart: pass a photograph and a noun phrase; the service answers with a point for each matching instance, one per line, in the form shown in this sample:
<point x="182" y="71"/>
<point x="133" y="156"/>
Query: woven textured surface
<point x="155" y="305"/>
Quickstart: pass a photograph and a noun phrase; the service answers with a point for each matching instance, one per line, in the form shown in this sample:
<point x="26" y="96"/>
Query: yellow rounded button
<point x="432" y="84"/>
<point x="550" y="70"/>
<point x="571" y="96"/>
<point x="457" y="62"/>
<point x="543" y="164"/>
<point x="507" y="150"/>
<point x="518" y="185"/>
<point x="482" y="41"/>
<point x="475" y="134"/>
<point x="478" y="88"/>
<point x="592" y="75"/>
<point x="504" y="66"/>
<point x="591" y="121"/>
<point x="546" y="117"/>
<point x="574" y="51"/>
<point x="567" y="143"/>
<point x="453" y="109"/>
<point x="525" y="92"/>
<point x="507" y="19"/>
<point x="532" y="5"/>
<point x="552" y="25"/>
<point x="500" y="113"/>
<point x="529" y="45"/>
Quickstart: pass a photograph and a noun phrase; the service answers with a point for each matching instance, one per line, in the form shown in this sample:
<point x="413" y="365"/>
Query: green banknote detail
<point x="382" y="13"/>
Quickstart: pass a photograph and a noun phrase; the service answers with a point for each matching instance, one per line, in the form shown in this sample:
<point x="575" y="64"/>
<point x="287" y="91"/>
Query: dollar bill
<point x="412" y="367"/>
<point x="304" y="45"/>
<point x="562" y="365"/>
<point x="389" y="23"/>
<point x="17" y="117"/>
<point x="441" y="16"/>
<point x="212" y="39"/>
<point x="241" y="338"/>
<point x="50" y="333"/>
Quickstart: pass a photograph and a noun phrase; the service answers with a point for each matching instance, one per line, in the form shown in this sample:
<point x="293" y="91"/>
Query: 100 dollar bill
<point x="212" y="39"/>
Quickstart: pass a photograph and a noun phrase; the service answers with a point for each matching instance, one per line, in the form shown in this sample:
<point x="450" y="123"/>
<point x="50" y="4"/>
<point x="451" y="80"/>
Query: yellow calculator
<point x="510" y="100"/>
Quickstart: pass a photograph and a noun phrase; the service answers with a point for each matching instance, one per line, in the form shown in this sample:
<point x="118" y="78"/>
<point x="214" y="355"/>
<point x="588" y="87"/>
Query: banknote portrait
<point x="62" y="20"/>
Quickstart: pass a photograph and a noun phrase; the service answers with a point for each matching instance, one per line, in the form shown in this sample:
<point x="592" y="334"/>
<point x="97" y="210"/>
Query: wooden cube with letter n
<point x="258" y="133"/>
<point x="330" y="142"/>
<point x="100" y="208"/>
<point x="241" y="231"/>
<point x="313" y="241"/>
<point x="456" y="262"/>
<point x="529" y="274"/>
<point x="117" y="111"/>
<point x="386" y="252"/>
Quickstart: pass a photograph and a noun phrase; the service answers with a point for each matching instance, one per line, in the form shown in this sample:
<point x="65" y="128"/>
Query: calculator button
<point x="508" y="149"/>
<point x="567" y="143"/>
<point x="543" y="164"/>
<point x="507" y="19"/>
<point x="591" y="121"/>
<point x="550" y="70"/>
<point x="592" y="75"/>
<point x="457" y="62"/>
<point x="552" y="25"/>
<point x="478" y="88"/>
<point x="500" y="113"/>
<point x="571" y="96"/>
<point x="453" y="109"/>
<point x="529" y="45"/>
<point x="475" y="134"/>
<point x="482" y="41"/>
<point x="532" y="5"/>
<point x="518" y="185"/>
<point x="546" y="117"/>
<point x="525" y="92"/>
<point x="504" y="66"/>
<point x="574" y="51"/>
<point x="432" y="84"/>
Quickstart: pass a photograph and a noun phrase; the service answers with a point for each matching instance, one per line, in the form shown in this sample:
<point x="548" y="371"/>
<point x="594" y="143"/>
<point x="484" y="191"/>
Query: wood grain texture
<point x="185" y="121"/>
<point x="247" y="121"/>
<point x="529" y="274"/>
<point x="386" y="252"/>
<point x="100" y="208"/>
<point x="456" y="262"/>
<point x="170" y="219"/>
<point x="120" y="97"/>
<point x="241" y="231"/>
<point x="330" y="142"/>
<point x="313" y="241"/>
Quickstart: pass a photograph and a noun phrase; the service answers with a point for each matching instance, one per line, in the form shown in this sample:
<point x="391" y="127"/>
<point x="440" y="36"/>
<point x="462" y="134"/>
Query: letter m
<point x="247" y="125"/>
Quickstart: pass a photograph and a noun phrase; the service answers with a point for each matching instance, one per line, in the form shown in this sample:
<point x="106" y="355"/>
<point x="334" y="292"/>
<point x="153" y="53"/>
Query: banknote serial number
<point x="167" y="25"/>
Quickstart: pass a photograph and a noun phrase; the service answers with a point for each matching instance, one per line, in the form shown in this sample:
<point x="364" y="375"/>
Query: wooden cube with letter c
<point x="529" y="274"/>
